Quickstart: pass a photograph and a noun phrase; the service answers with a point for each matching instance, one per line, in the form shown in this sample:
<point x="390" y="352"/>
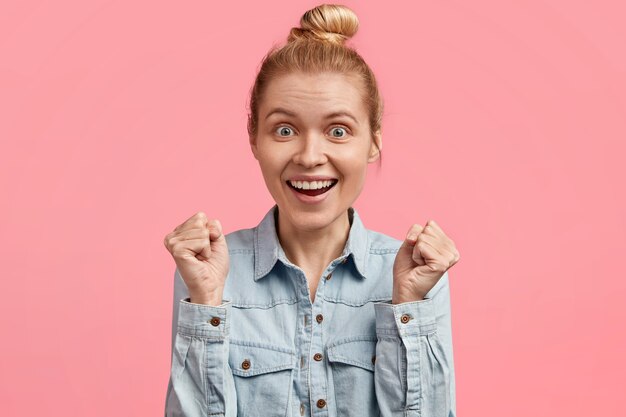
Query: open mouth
<point x="312" y="188"/>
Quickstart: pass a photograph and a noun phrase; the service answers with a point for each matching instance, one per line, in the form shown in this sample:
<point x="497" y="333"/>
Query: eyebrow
<point x="328" y="116"/>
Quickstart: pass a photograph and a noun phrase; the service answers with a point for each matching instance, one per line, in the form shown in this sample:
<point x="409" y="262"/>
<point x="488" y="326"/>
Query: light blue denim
<point x="274" y="353"/>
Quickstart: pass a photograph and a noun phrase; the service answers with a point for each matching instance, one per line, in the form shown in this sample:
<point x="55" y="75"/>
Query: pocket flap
<point x="250" y="360"/>
<point x="358" y="352"/>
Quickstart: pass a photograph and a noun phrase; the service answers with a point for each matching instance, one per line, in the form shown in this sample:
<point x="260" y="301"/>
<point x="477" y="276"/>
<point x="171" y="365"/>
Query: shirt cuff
<point x="404" y="319"/>
<point x="202" y="320"/>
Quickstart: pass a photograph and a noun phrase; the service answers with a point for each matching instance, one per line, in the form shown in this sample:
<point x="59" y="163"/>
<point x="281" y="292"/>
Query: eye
<point x="283" y="131"/>
<point x="338" y="132"/>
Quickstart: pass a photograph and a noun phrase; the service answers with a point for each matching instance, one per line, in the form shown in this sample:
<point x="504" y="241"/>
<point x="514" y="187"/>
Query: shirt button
<point x="245" y="364"/>
<point x="373" y="359"/>
<point x="301" y="409"/>
<point x="319" y="318"/>
<point x="405" y="318"/>
<point x="344" y="260"/>
<point x="328" y="276"/>
<point x="215" y="321"/>
<point x="317" y="357"/>
<point x="321" y="403"/>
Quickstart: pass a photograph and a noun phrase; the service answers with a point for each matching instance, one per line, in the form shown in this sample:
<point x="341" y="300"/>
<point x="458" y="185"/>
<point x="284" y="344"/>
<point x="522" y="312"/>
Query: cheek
<point x="272" y="164"/>
<point x="355" y="165"/>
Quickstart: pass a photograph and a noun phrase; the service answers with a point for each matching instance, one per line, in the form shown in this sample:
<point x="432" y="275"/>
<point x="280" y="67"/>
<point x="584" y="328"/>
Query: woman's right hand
<point x="199" y="249"/>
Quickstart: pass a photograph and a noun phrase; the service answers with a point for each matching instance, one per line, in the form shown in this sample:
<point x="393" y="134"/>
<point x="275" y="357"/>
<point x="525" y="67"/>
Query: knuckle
<point x="434" y="267"/>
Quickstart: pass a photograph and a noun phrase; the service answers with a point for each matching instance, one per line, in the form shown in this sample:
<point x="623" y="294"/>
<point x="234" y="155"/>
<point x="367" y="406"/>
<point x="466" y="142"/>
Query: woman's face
<point x="313" y="130"/>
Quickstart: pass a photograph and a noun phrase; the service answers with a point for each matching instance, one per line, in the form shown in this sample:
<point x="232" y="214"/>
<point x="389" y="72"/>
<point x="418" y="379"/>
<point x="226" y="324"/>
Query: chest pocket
<point x="352" y="366"/>
<point x="262" y="375"/>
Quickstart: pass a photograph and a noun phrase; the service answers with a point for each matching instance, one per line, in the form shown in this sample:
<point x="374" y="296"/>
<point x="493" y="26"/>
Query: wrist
<point x="406" y="300"/>
<point x="212" y="298"/>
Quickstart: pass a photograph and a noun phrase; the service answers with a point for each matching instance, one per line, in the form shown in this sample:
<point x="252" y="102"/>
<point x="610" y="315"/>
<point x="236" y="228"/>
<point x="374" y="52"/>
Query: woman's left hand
<point x="425" y="255"/>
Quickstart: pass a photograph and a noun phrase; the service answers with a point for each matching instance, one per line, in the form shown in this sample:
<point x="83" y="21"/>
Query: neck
<point x="313" y="249"/>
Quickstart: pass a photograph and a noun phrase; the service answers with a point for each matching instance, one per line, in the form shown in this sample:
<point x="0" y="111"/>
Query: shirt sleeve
<point x="414" y="370"/>
<point x="201" y="382"/>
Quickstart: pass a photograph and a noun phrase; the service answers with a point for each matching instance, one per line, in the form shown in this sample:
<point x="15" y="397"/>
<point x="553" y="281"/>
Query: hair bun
<point x="327" y="22"/>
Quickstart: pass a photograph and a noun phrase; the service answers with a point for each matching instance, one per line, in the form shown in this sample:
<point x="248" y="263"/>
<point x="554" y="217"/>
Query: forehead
<point x="321" y="92"/>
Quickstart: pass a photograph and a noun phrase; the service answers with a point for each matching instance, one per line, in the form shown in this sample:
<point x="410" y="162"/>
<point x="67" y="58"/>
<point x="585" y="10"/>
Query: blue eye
<point x="284" y="130"/>
<point x="341" y="135"/>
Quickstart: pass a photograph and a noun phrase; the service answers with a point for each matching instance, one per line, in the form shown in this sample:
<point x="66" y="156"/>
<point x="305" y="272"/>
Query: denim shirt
<point x="268" y="351"/>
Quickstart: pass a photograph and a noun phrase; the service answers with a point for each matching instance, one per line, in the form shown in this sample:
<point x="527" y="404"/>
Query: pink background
<point x="505" y="122"/>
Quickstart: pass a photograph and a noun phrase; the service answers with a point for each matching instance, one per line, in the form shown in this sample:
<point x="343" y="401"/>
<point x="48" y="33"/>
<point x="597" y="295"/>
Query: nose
<point x="311" y="151"/>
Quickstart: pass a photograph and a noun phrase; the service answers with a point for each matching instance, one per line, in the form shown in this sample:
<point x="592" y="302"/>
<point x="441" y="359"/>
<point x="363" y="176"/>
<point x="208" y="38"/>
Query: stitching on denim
<point x="287" y="361"/>
<point x="262" y="345"/>
<point x="387" y="331"/>
<point x="240" y="251"/>
<point x="366" y="364"/>
<point x="342" y="359"/>
<point x="359" y="303"/>
<point x="418" y="330"/>
<point x="195" y="335"/>
<point x="351" y="339"/>
<point x="403" y="367"/>
<point x="204" y="376"/>
<point x="265" y="370"/>
<point x="383" y="251"/>
<point x="265" y="306"/>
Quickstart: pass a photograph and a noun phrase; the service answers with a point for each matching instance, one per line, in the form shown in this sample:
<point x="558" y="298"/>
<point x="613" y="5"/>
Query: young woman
<point x="310" y="313"/>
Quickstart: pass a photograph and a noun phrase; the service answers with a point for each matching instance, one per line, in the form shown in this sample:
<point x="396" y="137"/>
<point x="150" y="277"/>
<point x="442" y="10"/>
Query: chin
<point x="313" y="219"/>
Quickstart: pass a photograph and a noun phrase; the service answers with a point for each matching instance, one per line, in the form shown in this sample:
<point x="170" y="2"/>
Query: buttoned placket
<point x="303" y="339"/>
<point x="312" y="384"/>
<point x="317" y="368"/>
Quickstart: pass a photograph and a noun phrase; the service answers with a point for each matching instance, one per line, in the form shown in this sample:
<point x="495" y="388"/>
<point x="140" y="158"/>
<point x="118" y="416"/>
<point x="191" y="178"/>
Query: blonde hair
<point x="319" y="45"/>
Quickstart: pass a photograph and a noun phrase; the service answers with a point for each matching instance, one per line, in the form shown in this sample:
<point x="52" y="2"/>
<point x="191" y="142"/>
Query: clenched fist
<point x="425" y="255"/>
<point x="199" y="249"/>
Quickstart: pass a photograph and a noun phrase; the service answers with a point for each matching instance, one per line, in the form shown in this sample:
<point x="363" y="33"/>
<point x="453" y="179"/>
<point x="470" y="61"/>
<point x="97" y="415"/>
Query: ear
<point x="375" y="151"/>
<point x="253" y="146"/>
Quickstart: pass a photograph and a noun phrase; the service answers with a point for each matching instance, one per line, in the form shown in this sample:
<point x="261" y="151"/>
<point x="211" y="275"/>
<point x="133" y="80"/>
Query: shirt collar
<point x="267" y="248"/>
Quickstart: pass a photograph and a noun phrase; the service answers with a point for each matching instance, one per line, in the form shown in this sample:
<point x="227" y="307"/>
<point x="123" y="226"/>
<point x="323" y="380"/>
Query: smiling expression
<point x="314" y="132"/>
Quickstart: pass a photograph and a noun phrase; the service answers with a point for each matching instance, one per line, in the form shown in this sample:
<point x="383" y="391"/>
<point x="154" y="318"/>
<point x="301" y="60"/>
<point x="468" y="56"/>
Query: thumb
<point x="215" y="229"/>
<point x="216" y="235"/>
<point x="409" y="247"/>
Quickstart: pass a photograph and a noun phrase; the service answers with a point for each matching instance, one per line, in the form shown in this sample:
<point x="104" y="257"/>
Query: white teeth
<point x="313" y="185"/>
